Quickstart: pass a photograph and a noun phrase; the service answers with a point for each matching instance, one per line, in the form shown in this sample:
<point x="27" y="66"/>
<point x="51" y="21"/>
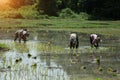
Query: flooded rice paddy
<point x="46" y="56"/>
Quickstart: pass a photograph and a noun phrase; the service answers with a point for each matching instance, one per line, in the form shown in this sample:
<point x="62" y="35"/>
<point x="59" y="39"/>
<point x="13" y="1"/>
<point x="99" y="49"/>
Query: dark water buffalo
<point x="21" y="34"/>
<point x="74" y="42"/>
<point x="94" y="40"/>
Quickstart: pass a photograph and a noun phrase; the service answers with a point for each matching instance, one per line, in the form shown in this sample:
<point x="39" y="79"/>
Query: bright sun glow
<point x="2" y="2"/>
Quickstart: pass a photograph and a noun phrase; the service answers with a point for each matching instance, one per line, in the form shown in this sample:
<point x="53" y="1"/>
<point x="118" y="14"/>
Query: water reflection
<point x="29" y="68"/>
<point x="46" y="57"/>
<point x="21" y="47"/>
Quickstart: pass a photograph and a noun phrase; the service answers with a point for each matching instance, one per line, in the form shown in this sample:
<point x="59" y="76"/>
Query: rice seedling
<point x="83" y="67"/>
<point x="34" y="57"/>
<point x="31" y="65"/>
<point x="100" y="69"/>
<point x="34" y="65"/>
<point x="29" y="55"/>
<point x="9" y="67"/>
<point x="50" y="48"/>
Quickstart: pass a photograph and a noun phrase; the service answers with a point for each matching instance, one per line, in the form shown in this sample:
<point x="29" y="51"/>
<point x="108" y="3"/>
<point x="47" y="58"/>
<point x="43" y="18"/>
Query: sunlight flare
<point x="2" y="2"/>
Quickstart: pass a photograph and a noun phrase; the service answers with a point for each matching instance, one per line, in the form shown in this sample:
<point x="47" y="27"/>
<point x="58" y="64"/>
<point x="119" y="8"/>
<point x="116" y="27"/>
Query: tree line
<point x="108" y="9"/>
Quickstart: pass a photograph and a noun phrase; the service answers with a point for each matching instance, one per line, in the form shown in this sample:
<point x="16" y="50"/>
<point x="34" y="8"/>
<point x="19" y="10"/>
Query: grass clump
<point x="100" y="69"/>
<point x="3" y="47"/>
<point x="34" y="65"/>
<point x="50" y="48"/>
<point x="9" y="67"/>
<point x="83" y="67"/>
<point x="98" y="79"/>
<point x="29" y="55"/>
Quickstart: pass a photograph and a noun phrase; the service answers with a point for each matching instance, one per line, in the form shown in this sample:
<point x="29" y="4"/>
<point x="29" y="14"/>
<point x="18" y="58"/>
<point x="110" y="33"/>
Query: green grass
<point x="109" y="28"/>
<point x="3" y="46"/>
<point x="58" y="23"/>
<point x="50" y="48"/>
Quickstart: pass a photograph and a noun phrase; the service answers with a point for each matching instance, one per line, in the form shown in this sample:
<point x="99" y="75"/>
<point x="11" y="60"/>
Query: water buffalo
<point x="21" y="34"/>
<point x="94" y="40"/>
<point x="74" y="42"/>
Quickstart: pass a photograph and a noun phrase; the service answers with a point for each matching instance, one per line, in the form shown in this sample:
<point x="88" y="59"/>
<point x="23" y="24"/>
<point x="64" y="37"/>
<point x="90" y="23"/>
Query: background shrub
<point x="67" y="13"/>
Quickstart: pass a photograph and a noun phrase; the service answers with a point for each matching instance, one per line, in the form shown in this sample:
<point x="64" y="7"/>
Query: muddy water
<point x="46" y="56"/>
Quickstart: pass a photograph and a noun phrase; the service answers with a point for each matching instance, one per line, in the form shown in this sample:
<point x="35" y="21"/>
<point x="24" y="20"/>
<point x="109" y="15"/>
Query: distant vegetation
<point x="85" y="9"/>
<point x="73" y="15"/>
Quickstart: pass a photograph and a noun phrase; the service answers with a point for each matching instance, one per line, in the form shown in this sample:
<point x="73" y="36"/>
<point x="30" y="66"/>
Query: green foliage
<point x="67" y="13"/>
<point x="109" y="9"/>
<point x="47" y="7"/>
<point x="74" y="5"/>
<point x="29" y="12"/>
<point x="3" y="46"/>
<point x="43" y="17"/>
<point x="83" y="16"/>
<point x="99" y="9"/>
<point x="7" y="12"/>
<point x="15" y="15"/>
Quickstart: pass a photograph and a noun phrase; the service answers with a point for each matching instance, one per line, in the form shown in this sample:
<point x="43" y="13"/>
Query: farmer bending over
<point x="94" y="40"/>
<point x="21" y="34"/>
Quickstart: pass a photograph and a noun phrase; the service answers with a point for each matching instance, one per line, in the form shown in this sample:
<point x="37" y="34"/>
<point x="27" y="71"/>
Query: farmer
<point x="74" y="42"/>
<point x="94" y="40"/>
<point x="21" y="34"/>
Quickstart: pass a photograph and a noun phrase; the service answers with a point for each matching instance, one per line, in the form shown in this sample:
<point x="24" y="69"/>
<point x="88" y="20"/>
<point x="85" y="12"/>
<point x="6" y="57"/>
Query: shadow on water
<point x="46" y="56"/>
